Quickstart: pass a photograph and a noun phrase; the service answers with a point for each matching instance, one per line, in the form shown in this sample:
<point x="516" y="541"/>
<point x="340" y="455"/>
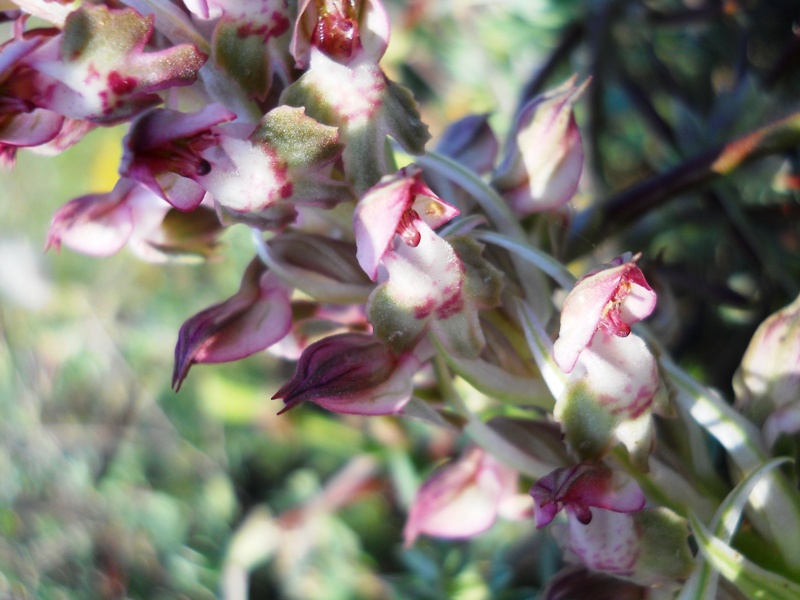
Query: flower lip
<point x="396" y="205"/>
<point x="581" y="487"/>
<point x="611" y="298"/>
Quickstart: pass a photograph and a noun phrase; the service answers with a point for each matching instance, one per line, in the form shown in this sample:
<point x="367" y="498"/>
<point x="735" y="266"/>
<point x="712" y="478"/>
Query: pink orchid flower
<point x="396" y="206"/>
<point x="426" y="282"/>
<point x="164" y="152"/>
<point x="614" y="382"/>
<point x="579" y="488"/>
<point x="343" y="30"/>
<point x="609" y="299"/>
<point x="97" y="68"/>
<point x="463" y="498"/>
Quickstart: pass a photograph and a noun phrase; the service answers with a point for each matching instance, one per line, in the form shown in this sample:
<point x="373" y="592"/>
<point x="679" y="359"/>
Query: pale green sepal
<point x="665" y="554"/>
<point x="541" y="347"/>
<point x="245" y="58"/>
<point x="588" y="427"/>
<point x="753" y="581"/>
<point x="403" y="122"/>
<point x="702" y="585"/>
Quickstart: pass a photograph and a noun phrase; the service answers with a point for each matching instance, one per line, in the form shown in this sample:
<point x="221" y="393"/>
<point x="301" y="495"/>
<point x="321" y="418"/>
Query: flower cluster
<point x="277" y="116"/>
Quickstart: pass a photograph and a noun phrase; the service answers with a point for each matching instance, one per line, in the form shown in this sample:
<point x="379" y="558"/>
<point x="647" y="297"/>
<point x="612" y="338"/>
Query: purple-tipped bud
<point x="351" y="373"/>
<point x="471" y="142"/>
<point x="544" y="156"/>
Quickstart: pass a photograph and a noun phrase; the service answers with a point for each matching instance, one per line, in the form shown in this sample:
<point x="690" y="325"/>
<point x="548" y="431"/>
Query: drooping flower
<point x="288" y="160"/>
<point x="343" y="30"/>
<point x="426" y="282"/>
<point x="164" y="152"/>
<point x="353" y="373"/>
<point x="102" y="224"/>
<point x="97" y="68"/>
<point x="578" y="488"/>
<point x="251" y="320"/>
<point x="133" y="216"/>
<point x="611" y="299"/>
<point x="614" y="383"/>
<point x="463" y="498"/>
<point x="544" y="156"/>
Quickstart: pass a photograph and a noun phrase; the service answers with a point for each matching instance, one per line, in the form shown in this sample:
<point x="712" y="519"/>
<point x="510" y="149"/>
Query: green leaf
<point x="753" y="581"/>
<point x="703" y="582"/>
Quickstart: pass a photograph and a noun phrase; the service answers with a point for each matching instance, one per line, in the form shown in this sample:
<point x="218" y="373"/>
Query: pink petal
<point x="461" y="499"/>
<point x="615" y="298"/>
<point x="256" y="317"/>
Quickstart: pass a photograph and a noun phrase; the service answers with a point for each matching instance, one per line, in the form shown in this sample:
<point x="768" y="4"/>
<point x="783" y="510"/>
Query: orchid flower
<point x="579" y="488"/>
<point x="343" y="30"/>
<point x="288" y="160"/>
<point x="544" y="158"/>
<point x="426" y="281"/>
<point x="164" y="152"/>
<point x="767" y="383"/>
<point x="253" y="319"/>
<point x="354" y="373"/>
<point x="341" y="43"/>
<point x="97" y="68"/>
<point x="614" y="382"/>
<point x="608" y="529"/>
<point x="463" y="498"/>
<point x="21" y="122"/>
<point x="131" y="215"/>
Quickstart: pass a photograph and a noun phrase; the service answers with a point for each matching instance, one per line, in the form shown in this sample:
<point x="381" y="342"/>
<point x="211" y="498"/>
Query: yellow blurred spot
<point x="103" y="170"/>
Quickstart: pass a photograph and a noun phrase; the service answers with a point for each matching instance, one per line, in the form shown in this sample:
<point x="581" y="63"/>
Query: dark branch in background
<point x="789" y="58"/>
<point x="620" y="210"/>
<point x="688" y="16"/>
<point x="601" y="49"/>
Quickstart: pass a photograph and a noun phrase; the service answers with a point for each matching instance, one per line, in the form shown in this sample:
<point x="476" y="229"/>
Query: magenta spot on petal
<point x="286" y="189"/>
<point x="422" y="312"/>
<point x="451" y="306"/>
<point x="121" y="85"/>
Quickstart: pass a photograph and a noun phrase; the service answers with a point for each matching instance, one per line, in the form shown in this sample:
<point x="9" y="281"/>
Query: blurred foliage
<point x="113" y="486"/>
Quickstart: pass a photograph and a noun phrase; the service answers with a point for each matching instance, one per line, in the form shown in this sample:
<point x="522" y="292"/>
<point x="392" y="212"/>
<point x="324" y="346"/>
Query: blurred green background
<point x="114" y="486"/>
